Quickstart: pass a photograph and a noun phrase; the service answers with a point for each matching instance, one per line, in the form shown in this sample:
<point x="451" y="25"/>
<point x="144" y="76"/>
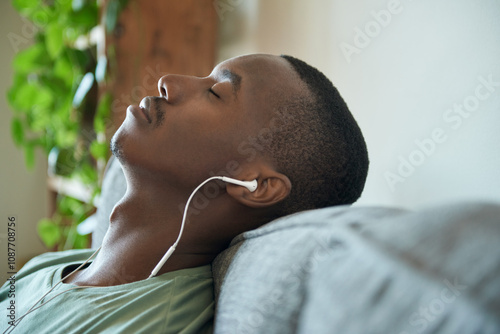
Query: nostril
<point x="168" y="87"/>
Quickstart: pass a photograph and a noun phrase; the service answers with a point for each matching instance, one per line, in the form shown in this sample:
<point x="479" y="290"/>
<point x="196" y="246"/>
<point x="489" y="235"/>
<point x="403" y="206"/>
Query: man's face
<point x="196" y="125"/>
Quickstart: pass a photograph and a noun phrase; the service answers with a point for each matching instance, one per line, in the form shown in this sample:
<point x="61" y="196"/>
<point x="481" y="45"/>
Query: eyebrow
<point x="234" y="78"/>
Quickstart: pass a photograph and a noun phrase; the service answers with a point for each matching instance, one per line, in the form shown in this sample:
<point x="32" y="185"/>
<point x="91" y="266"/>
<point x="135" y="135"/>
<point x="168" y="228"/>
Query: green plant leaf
<point x="81" y="241"/>
<point x="22" y="97"/>
<point x="79" y="59"/>
<point x="53" y="87"/>
<point x="68" y="206"/>
<point x="40" y="119"/>
<point x="99" y="125"/>
<point x="54" y="39"/>
<point x="25" y="96"/>
<point x="85" y="18"/>
<point x="65" y="137"/>
<point x="99" y="150"/>
<point x="65" y="162"/>
<point x="70" y="234"/>
<point x="17" y="131"/>
<point x="88" y="174"/>
<point x="102" y="112"/>
<point x="44" y="97"/>
<point x="62" y="110"/>
<point x="47" y="80"/>
<point x="49" y="231"/>
<point x="63" y="69"/>
<point x="32" y="59"/>
<point x="12" y="94"/>
<point x="104" y="105"/>
<point x="31" y="98"/>
<point x="43" y="14"/>
<point x="29" y="155"/>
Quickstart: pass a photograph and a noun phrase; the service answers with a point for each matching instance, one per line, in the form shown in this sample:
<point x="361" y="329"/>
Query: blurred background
<point x="421" y="77"/>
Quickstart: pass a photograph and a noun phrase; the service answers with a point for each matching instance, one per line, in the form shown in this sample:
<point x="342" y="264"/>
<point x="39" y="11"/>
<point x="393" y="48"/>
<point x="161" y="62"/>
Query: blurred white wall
<point x="22" y="193"/>
<point x="421" y="77"/>
<point x="407" y="78"/>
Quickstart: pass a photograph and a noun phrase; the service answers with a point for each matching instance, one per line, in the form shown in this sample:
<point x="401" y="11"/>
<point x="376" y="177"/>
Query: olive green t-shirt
<point x="176" y="302"/>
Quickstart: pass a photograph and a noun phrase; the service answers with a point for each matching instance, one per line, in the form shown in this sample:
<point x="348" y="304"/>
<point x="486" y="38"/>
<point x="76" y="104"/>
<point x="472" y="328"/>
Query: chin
<point x="127" y="149"/>
<point x="116" y="146"/>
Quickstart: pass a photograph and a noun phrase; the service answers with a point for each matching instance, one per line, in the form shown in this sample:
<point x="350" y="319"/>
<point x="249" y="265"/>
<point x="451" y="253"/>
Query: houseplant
<point x="58" y="106"/>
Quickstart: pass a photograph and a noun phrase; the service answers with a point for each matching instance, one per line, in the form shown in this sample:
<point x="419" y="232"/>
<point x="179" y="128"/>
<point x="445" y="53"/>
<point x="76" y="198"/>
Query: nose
<point x="169" y="87"/>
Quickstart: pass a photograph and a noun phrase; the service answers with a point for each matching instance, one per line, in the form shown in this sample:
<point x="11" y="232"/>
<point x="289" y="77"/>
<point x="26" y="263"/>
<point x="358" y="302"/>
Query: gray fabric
<point x="114" y="186"/>
<point x="262" y="290"/>
<point x="354" y="270"/>
<point x="364" y="270"/>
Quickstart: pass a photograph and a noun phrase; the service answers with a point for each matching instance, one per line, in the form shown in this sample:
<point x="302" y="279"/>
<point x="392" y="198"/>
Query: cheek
<point x="208" y="151"/>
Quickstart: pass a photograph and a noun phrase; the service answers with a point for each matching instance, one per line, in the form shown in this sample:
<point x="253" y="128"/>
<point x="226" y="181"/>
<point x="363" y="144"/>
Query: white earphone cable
<point x="32" y="308"/>
<point x="172" y="248"/>
<point x="250" y="185"/>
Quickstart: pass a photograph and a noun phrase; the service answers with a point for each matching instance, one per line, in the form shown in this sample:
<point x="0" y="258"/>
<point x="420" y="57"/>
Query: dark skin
<point x="192" y="129"/>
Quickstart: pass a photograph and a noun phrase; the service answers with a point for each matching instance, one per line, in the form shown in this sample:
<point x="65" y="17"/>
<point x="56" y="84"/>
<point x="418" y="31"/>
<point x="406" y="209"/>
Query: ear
<point x="272" y="187"/>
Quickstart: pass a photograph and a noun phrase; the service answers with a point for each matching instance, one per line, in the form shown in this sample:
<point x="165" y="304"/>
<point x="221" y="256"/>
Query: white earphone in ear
<point x="250" y="185"/>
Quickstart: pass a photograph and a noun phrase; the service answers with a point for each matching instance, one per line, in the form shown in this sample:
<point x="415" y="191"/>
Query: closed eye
<point x="212" y="91"/>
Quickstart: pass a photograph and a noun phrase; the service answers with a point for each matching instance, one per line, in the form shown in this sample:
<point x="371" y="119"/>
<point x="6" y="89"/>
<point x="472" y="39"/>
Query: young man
<point x="257" y="117"/>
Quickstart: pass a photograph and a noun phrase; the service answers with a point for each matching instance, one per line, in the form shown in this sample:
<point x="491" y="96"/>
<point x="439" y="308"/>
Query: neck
<point x="143" y="225"/>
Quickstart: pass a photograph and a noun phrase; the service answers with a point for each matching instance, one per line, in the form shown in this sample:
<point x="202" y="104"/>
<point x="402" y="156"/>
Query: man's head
<point x="274" y="119"/>
<point x="320" y="146"/>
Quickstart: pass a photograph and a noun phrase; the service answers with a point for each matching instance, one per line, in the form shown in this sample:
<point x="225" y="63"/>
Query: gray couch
<point x="355" y="270"/>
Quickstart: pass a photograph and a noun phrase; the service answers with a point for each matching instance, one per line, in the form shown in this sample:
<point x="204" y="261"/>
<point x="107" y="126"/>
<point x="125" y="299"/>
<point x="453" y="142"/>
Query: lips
<point x="144" y="106"/>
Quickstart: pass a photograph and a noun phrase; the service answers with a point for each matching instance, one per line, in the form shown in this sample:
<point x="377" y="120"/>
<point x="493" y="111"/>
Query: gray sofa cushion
<point x="354" y="270"/>
<point x="364" y="270"/>
<point x="114" y="187"/>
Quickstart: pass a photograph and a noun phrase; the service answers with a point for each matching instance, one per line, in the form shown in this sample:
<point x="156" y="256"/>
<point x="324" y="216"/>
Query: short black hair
<point x="319" y="146"/>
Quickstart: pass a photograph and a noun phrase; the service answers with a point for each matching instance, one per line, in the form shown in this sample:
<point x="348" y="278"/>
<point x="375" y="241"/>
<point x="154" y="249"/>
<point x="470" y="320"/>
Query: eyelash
<point x="212" y="91"/>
